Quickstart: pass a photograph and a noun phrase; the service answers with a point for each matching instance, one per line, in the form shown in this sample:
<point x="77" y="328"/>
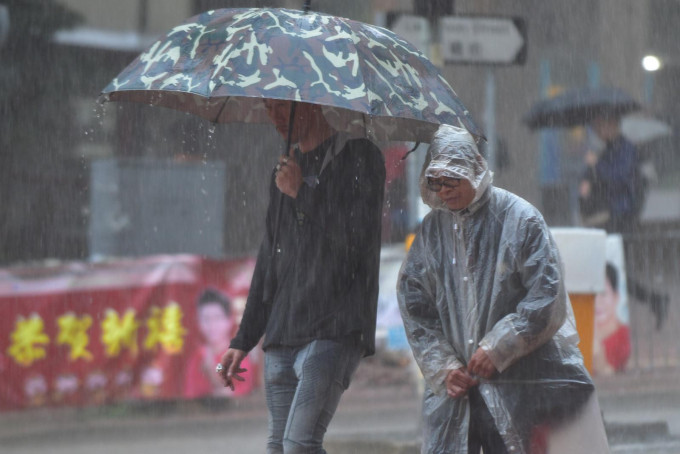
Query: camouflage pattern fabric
<point x="221" y="64"/>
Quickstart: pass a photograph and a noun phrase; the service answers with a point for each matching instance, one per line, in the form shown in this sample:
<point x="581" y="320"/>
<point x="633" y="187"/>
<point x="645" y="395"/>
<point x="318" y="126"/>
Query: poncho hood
<point x="453" y="153"/>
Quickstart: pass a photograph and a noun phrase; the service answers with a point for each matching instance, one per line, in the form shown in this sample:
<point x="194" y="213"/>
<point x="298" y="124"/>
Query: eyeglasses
<point x="437" y="185"/>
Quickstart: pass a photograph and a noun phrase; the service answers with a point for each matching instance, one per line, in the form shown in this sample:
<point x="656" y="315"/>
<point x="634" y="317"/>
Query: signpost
<point x="416" y="30"/>
<point x="4" y="24"/>
<point x="475" y="40"/>
<point x="483" y="40"/>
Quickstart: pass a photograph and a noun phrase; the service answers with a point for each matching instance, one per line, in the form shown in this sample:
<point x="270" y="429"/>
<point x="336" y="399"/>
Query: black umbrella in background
<point x="580" y="106"/>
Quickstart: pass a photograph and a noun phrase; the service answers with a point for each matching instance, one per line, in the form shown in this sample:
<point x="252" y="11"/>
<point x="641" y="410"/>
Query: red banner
<point x="93" y="333"/>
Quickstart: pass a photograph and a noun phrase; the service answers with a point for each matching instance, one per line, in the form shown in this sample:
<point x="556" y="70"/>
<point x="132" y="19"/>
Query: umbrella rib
<point x="279" y="205"/>
<point x="219" y="114"/>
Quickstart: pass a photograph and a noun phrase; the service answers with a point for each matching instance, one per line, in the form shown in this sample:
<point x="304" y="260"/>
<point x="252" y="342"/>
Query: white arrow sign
<point x="490" y="40"/>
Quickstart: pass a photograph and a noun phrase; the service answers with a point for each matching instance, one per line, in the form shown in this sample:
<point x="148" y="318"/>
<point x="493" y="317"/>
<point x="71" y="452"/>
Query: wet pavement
<point x="379" y="414"/>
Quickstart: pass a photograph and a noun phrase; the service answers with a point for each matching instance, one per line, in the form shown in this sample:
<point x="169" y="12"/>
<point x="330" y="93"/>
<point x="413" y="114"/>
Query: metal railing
<point x="653" y="273"/>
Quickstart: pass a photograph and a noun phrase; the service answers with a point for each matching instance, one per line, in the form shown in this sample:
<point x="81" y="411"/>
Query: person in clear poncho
<point x="488" y="318"/>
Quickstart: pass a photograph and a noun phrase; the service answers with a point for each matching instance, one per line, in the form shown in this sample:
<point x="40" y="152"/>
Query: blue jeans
<point x="303" y="387"/>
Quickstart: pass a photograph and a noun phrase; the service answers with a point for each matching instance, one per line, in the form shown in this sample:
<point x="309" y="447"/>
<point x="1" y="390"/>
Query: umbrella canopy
<point x="642" y="129"/>
<point x="579" y="106"/>
<point x="221" y="65"/>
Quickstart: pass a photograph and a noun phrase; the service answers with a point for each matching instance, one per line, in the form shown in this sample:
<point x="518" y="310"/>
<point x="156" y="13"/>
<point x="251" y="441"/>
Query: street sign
<point x="414" y="29"/>
<point x="483" y="40"/>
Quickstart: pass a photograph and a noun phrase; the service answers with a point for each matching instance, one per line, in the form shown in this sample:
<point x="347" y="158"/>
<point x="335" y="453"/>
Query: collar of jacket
<point x="337" y="144"/>
<point x="326" y="150"/>
<point x="476" y="205"/>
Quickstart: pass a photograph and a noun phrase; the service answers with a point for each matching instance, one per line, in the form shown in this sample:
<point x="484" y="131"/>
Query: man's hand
<point x="591" y="158"/>
<point x="458" y="382"/>
<point x="288" y="176"/>
<point x="231" y="363"/>
<point x="480" y="364"/>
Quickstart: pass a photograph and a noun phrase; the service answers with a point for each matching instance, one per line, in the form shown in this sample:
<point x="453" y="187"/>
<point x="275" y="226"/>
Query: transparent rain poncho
<point x="490" y="276"/>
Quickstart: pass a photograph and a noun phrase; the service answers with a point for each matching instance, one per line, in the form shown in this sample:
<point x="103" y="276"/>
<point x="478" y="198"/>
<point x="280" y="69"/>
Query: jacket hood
<point x="453" y="153"/>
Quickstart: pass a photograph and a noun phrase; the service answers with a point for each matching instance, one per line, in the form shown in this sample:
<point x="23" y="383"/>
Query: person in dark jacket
<point x="612" y="194"/>
<point x="612" y="184"/>
<point x="315" y="286"/>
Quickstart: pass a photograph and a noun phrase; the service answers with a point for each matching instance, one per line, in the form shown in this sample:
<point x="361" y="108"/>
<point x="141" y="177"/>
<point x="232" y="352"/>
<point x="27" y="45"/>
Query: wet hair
<point x="612" y="276"/>
<point x="213" y="296"/>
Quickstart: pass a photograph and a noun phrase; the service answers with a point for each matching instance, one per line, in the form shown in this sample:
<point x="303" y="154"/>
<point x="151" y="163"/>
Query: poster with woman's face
<point x="216" y="324"/>
<point x="611" y="346"/>
<point x="216" y="321"/>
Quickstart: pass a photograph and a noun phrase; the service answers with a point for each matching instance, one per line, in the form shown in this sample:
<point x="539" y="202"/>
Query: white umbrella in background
<point x="640" y="128"/>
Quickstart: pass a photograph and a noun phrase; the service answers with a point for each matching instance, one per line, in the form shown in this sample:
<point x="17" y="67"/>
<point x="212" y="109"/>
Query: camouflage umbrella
<point x="221" y="64"/>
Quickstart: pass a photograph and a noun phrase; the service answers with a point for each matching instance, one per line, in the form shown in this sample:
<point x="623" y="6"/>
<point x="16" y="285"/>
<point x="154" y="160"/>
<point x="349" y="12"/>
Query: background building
<point x="59" y="54"/>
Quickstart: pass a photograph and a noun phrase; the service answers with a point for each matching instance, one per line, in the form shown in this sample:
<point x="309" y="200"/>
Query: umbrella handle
<point x="410" y="151"/>
<point x="308" y="6"/>
<point x="291" y="120"/>
<point x="279" y="205"/>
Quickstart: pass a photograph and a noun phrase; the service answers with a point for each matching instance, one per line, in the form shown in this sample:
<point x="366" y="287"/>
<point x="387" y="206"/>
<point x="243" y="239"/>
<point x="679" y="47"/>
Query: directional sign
<point x="483" y="40"/>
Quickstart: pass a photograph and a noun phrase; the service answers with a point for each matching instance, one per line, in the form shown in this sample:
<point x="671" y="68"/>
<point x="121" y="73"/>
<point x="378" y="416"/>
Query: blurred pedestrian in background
<point x="613" y="188"/>
<point x="612" y="195"/>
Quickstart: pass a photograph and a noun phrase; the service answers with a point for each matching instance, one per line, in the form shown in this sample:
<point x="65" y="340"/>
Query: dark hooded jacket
<point x="321" y="279"/>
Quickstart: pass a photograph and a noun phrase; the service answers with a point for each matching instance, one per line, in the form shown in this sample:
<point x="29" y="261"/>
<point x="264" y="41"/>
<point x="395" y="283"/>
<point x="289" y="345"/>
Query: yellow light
<point x="409" y="240"/>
